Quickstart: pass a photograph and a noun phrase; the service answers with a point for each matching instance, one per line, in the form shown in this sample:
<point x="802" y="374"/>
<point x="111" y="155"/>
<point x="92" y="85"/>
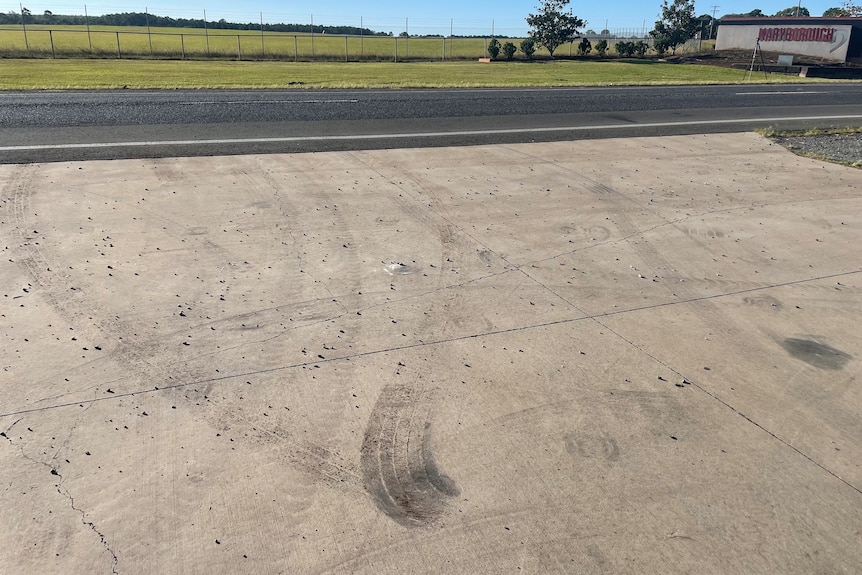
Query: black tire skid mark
<point x="398" y="466"/>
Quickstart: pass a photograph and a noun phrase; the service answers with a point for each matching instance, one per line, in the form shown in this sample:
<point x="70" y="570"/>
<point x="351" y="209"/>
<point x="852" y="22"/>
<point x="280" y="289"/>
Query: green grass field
<point x="47" y="74"/>
<point x="179" y="43"/>
<point x="102" y="41"/>
<point x="130" y="57"/>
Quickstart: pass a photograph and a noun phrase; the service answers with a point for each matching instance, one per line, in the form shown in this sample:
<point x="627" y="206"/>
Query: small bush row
<point x="625" y="49"/>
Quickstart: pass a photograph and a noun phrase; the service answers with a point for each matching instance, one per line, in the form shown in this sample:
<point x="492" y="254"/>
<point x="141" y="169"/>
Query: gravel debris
<point x="844" y="148"/>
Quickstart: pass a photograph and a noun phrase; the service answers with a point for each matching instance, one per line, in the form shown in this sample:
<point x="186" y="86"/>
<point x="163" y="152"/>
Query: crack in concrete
<point x="63" y="491"/>
<point x="90" y="524"/>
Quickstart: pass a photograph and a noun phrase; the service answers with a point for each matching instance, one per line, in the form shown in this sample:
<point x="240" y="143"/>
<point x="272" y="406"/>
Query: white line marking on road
<point x="793" y="93"/>
<point x="358" y="137"/>
<point x="248" y="102"/>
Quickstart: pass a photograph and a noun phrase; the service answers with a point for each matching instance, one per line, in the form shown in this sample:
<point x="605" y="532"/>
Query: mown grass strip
<point x="59" y="74"/>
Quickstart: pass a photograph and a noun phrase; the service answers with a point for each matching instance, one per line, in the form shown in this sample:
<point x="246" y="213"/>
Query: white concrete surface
<point x="619" y="356"/>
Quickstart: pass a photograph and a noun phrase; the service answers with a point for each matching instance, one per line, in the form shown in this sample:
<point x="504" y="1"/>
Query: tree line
<point x="847" y="9"/>
<point x="48" y="18"/>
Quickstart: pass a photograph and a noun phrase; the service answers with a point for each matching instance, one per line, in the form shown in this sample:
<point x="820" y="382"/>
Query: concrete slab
<point x="622" y="356"/>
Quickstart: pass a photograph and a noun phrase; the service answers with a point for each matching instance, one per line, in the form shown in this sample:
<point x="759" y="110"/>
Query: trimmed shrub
<point x="625" y="49"/>
<point x="494" y="48"/>
<point x="509" y="50"/>
<point x="602" y="47"/>
<point x="528" y="47"/>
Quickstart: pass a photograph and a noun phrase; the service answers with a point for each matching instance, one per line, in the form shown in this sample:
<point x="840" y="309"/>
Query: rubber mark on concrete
<point x="398" y="466"/>
<point x="816" y="354"/>
<point x="592" y="446"/>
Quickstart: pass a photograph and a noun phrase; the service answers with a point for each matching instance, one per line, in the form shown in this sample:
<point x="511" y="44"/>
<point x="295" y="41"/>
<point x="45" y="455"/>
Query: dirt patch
<point x="729" y="58"/>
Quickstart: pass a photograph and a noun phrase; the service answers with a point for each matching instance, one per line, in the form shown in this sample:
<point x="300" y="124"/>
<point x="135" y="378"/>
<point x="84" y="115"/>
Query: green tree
<point x="708" y="26"/>
<point x="528" y="47"/>
<point x="852" y="8"/>
<point x="756" y="13"/>
<point x="677" y="24"/>
<point x="494" y="48"/>
<point x="584" y="47"/>
<point x="509" y="50"/>
<point x="553" y="25"/>
<point x="661" y="46"/>
<point x="836" y="13"/>
<point x="602" y="47"/>
<point x="803" y="11"/>
<point x="624" y="49"/>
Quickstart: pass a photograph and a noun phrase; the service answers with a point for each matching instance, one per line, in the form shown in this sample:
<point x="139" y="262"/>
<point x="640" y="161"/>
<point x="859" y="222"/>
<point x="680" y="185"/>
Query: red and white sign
<point x="797" y="35"/>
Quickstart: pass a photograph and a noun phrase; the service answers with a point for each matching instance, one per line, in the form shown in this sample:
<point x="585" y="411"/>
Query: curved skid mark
<point x="398" y="466"/>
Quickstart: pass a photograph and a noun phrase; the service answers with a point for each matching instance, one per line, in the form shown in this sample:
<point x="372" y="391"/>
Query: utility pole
<point x="150" y="37"/>
<point x="712" y="22"/>
<point x="87" y="20"/>
<point x="24" y="12"/>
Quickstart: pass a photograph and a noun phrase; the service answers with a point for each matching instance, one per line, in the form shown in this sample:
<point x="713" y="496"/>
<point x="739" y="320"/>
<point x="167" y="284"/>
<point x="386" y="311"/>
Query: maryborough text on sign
<point x="796" y="35"/>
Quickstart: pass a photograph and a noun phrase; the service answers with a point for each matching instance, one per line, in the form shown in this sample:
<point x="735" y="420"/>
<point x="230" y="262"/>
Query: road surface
<point x="58" y="126"/>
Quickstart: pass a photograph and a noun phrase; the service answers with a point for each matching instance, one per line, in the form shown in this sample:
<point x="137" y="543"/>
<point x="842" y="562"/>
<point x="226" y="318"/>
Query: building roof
<point x="791" y="20"/>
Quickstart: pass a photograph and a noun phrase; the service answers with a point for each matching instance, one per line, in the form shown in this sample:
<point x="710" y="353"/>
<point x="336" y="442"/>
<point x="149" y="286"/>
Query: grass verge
<point x="39" y="74"/>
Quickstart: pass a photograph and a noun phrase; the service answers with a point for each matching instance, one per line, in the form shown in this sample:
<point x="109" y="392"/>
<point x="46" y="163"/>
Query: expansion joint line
<point x="732" y="408"/>
<point x="420" y="344"/>
<point x="694" y="384"/>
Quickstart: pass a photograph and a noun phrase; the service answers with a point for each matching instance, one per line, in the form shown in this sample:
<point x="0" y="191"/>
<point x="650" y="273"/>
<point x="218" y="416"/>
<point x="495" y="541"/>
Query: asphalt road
<point x="60" y="126"/>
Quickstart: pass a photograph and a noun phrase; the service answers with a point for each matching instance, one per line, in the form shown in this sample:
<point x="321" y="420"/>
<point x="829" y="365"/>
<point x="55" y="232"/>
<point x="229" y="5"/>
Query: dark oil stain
<point x="816" y="354"/>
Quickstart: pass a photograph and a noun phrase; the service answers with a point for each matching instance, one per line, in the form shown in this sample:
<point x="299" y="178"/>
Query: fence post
<point x="149" y="36"/>
<point x="312" y="36"/>
<point x="396" y="48"/>
<point x="238" y="49"/>
<point x="443" y="57"/>
<point x="206" y="33"/>
<point x="262" y="47"/>
<point x="295" y="48"/>
<point x="51" y="36"/>
<point x="346" y="58"/>
<point x="24" y="26"/>
<point x="183" y="46"/>
<point x="87" y="20"/>
<point x="119" y="55"/>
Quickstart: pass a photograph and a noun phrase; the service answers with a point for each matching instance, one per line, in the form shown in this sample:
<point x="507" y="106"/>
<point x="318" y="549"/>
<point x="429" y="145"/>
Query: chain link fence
<point x="67" y="42"/>
<point x="186" y="34"/>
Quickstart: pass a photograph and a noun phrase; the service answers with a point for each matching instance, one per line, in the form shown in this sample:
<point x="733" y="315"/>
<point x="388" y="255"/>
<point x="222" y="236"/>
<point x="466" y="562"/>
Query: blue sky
<point x="426" y="17"/>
